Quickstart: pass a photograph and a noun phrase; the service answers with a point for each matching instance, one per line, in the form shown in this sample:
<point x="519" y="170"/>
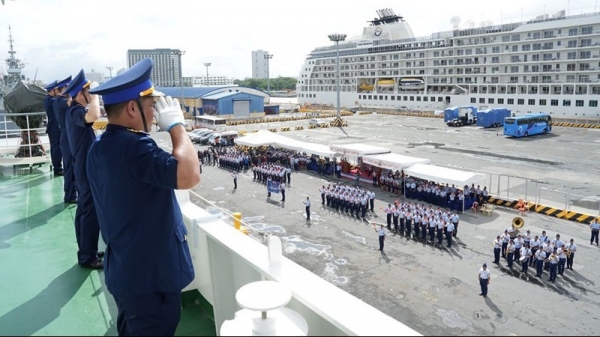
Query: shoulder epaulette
<point x="136" y="131"/>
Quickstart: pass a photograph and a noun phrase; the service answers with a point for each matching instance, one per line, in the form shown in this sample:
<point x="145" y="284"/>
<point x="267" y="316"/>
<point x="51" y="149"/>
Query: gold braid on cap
<point x="147" y="91"/>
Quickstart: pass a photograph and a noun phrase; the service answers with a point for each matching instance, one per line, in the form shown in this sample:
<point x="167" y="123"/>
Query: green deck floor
<point x="42" y="289"/>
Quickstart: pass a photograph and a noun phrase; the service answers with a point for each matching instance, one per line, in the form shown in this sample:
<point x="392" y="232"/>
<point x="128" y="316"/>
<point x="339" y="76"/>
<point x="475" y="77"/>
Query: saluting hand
<point x="168" y="113"/>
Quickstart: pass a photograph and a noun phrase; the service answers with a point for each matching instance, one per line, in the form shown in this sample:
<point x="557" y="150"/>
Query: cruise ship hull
<point x="549" y="64"/>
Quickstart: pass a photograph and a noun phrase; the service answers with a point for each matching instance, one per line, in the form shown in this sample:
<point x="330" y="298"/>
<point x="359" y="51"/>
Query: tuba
<point x="518" y="223"/>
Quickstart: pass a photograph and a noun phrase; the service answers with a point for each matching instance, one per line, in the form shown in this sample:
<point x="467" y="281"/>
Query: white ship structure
<point x="549" y="64"/>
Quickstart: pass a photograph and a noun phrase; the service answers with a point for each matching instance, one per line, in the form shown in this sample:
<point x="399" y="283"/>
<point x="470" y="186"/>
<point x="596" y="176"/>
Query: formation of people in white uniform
<point x="545" y="254"/>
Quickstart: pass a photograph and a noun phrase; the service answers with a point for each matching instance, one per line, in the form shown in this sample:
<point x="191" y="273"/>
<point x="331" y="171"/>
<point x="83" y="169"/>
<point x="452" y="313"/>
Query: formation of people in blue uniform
<point x="123" y="185"/>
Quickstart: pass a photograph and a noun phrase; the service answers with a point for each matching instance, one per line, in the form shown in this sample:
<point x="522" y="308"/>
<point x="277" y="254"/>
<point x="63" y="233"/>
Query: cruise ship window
<point x="542" y="102"/>
<point x="473" y="100"/>
<point x="481" y="100"/>
<point x="531" y="102"/>
<point x="511" y="101"/>
<point x="566" y="102"/>
<point x="370" y="97"/>
<point x="500" y="100"/>
<point x="579" y="102"/>
<point x="554" y="102"/>
<point x="386" y="98"/>
<point x="586" y="30"/>
<point x="573" y="32"/>
<point x="425" y="98"/>
<point x="398" y="98"/>
<point x="418" y="98"/>
<point x="593" y="104"/>
<point x="405" y="98"/>
<point x="412" y="98"/>
<point x="432" y="99"/>
<point x="392" y="98"/>
<point x="490" y="101"/>
<point x="375" y="97"/>
<point x="521" y="101"/>
<point x="381" y="97"/>
<point x="440" y="99"/>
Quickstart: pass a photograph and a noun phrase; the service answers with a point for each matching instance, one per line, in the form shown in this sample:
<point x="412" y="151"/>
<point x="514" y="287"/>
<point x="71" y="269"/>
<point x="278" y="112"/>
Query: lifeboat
<point x="365" y="87"/>
<point x="387" y="83"/>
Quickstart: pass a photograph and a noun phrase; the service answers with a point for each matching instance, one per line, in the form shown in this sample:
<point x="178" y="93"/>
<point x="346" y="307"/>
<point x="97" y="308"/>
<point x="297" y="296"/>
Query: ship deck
<point x="44" y="291"/>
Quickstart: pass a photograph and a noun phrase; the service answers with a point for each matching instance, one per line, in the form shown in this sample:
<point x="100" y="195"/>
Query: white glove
<point x="168" y="113"/>
<point x="94" y="84"/>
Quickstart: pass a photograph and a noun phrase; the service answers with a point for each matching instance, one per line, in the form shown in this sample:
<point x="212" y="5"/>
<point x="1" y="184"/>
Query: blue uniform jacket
<point x="49" y="108"/>
<point x="133" y="182"/>
<point x="81" y="136"/>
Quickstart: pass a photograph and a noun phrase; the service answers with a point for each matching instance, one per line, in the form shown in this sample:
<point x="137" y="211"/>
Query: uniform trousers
<point x="594" y="236"/>
<point x="155" y="314"/>
<point x="87" y="228"/>
<point x="70" y="187"/>
<point x="381" y="240"/>
<point x="307" y="212"/>
<point x="55" y="150"/>
<point x="484" y="286"/>
<point x="570" y="260"/>
<point x="539" y="268"/>
<point x="497" y="255"/>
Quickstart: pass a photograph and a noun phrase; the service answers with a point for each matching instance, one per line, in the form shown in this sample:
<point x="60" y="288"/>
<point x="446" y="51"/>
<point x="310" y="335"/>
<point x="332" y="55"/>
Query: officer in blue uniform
<point x="147" y="261"/>
<point x="60" y="110"/>
<point x="53" y="130"/>
<point x="78" y="122"/>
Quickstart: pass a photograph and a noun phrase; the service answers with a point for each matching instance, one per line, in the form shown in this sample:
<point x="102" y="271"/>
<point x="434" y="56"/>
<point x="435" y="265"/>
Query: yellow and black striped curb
<point x="312" y="126"/>
<point x="273" y="130"/>
<point x="299" y="128"/>
<point x="365" y="112"/>
<point x="324" y="126"/>
<point x="285" y="129"/>
<point x="577" y="125"/>
<point x="541" y="209"/>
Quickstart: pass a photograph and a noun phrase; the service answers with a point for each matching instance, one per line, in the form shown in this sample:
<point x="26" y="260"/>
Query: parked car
<point x="316" y="122"/>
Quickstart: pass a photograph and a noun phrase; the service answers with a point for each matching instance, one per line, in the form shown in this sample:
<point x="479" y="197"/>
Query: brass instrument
<point x="518" y="223"/>
<point x="551" y="257"/>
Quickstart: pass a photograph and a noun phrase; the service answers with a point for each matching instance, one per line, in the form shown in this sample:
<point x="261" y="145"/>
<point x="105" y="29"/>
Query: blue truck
<point x="492" y="118"/>
<point x="460" y="115"/>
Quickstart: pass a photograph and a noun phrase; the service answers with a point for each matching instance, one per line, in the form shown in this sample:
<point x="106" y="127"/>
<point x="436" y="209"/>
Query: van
<point x="225" y="138"/>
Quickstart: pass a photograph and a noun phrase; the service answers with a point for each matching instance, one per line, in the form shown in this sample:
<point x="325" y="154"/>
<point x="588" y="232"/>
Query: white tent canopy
<point x="358" y="150"/>
<point x="393" y="161"/>
<point x="317" y="149"/>
<point x="257" y="139"/>
<point x="444" y="175"/>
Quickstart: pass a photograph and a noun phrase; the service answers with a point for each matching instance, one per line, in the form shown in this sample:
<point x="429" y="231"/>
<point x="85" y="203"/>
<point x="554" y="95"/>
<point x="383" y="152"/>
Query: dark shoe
<point x="59" y="173"/>
<point x="70" y="201"/>
<point x="100" y="254"/>
<point x="481" y="294"/>
<point x="94" y="265"/>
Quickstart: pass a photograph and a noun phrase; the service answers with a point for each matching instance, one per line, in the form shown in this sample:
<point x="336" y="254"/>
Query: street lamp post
<point x="110" y="71"/>
<point x="207" y="64"/>
<point x="268" y="57"/>
<point x="180" y="53"/>
<point x="337" y="38"/>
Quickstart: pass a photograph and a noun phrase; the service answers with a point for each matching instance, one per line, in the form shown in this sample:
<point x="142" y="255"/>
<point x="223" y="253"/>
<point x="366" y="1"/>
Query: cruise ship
<point x="548" y="64"/>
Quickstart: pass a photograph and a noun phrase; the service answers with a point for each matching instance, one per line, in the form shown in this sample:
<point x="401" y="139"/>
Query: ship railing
<point x="28" y="146"/>
<point x="225" y="259"/>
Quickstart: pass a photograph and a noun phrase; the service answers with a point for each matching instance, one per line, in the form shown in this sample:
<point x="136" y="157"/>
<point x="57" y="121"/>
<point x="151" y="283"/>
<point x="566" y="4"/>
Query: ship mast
<point x="14" y="65"/>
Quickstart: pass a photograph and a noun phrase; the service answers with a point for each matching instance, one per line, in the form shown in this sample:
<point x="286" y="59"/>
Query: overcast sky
<point x="59" y="37"/>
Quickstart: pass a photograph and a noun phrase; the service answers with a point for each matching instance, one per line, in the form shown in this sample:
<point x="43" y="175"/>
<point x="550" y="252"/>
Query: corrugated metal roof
<point x="221" y="95"/>
<point x="189" y="92"/>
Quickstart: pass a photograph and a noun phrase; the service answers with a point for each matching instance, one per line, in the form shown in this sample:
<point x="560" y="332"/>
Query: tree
<point x="279" y="83"/>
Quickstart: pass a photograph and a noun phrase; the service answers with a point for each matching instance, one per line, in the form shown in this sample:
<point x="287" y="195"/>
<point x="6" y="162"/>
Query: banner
<point x="273" y="186"/>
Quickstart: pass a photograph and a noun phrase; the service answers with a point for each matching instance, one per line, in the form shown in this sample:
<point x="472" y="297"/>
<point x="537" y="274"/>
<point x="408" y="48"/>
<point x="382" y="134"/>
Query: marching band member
<point x="562" y="259"/>
<point x="595" y="227"/>
<point x="505" y="240"/>
<point x="540" y="256"/>
<point x="525" y="256"/>
<point x="497" y="248"/>
<point x="553" y="261"/>
<point x="518" y="245"/>
<point x="510" y="253"/>
<point x="572" y="248"/>
<point x="534" y="244"/>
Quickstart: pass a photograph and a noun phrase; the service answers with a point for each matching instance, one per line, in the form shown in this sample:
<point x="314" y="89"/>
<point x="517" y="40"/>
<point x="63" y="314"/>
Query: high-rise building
<point x="259" y="64"/>
<point x="167" y="66"/>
